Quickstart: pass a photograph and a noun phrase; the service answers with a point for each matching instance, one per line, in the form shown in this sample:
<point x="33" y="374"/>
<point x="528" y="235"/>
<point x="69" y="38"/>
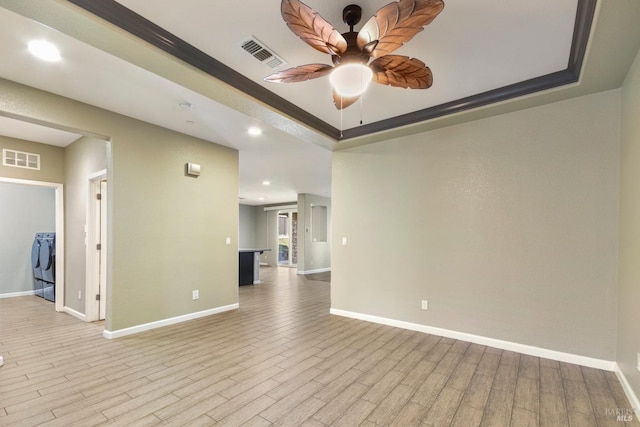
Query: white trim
<point x="60" y="272"/>
<point x="319" y="270"/>
<point x="75" y="313"/>
<point x="590" y="362"/>
<point x="631" y="395"/>
<point x="281" y="208"/>
<point x="166" y="322"/>
<point x="17" y="294"/>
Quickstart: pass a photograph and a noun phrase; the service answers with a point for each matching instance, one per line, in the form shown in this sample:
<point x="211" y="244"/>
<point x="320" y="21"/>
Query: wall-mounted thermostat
<point x="192" y="169"/>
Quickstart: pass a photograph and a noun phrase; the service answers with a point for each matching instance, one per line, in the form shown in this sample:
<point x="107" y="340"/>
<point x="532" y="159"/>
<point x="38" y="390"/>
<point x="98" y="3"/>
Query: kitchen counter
<point x="249" y="265"/>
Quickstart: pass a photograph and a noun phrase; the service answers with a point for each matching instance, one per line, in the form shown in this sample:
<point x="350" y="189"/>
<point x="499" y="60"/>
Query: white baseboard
<point x="17" y="294"/>
<point x="75" y="313"/>
<point x="631" y="395"/>
<point x="319" y="270"/>
<point x="166" y="322"/>
<point x="491" y="342"/>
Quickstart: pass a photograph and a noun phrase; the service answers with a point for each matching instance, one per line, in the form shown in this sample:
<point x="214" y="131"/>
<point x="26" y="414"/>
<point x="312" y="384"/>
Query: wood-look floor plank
<point x="498" y="409"/>
<point x="410" y="415"/>
<point x="391" y="405"/>
<point x="523" y="418"/>
<point x="336" y="407"/>
<point x="301" y="413"/>
<point x="527" y="395"/>
<point x="477" y="393"/>
<point x="466" y="416"/>
<point x="553" y="411"/>
<point x="355" y="414"/>
<point x="444" y="408"/>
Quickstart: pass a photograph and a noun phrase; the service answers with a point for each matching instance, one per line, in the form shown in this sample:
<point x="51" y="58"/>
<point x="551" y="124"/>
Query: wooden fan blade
<point x="397" y="23"/>
<point x="342" y="102"/>
<point x="300" y="74"/>
<point x="312" y="28"/>
<point x="401" y="71"/>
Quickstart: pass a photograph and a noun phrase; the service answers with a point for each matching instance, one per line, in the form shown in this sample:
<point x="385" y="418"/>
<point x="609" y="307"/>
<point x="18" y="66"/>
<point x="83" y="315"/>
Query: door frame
<point x="289" y="212"/>
<point x="92" y="231"/>
<point x="59" y="212"/>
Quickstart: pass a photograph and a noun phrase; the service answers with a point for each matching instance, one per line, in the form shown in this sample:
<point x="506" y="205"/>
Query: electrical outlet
<point x="79" y="294"/>
<point x="227" y="241"/>
<point x="344" y="241"/>
<point x="638" y="366"/>
<point x="196" y="294"/>
<point x="425" y="304"/>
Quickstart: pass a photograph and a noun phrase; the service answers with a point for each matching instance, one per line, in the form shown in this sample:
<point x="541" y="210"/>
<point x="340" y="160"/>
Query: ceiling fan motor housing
<point x="353" y="53"/>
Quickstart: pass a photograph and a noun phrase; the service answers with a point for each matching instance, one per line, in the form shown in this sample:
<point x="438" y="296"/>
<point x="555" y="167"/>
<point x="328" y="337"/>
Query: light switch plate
<point x="195" y="294"/>
<point x="344" y="241"/>
<point x="227" y="241"/>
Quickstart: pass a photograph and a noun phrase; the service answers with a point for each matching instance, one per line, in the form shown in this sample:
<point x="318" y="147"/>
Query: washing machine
<point x="35" y="265"/>
<point x="48" y="265"/>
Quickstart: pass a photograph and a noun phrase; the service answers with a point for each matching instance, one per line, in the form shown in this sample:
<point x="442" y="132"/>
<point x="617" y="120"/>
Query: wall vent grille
<point x="20" y="159"/>
<point x="262" y="53"/>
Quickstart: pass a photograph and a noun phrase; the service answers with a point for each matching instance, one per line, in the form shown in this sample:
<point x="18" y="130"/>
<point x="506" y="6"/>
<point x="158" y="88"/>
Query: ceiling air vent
<point x="20" y="159"/>
<point x="262" y="53"/>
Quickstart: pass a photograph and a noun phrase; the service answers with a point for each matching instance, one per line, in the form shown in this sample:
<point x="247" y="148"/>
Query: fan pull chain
<point x="341" y="125"/>
<point x="361" y="97"/>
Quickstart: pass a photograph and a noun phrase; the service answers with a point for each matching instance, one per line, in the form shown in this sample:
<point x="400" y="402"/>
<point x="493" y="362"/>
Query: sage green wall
<point x="507" y="226"/>
<point x="262" y="232"/>
<point x="167" y="231"/>
<point x="51" y="161"/>
<point x="247" y="227"/>
<point x="312" y="255"/>
<point x="83" y="158"/>
<point x="24" y="211"/>
<point x="629" y="270"/>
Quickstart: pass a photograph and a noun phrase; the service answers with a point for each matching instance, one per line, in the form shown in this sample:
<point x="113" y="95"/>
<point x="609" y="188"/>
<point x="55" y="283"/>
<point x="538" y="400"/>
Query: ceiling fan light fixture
<point x="351" y="79"/>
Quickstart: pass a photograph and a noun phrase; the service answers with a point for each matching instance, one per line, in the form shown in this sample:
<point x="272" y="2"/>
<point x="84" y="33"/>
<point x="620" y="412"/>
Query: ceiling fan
<point x="391" y="27"/>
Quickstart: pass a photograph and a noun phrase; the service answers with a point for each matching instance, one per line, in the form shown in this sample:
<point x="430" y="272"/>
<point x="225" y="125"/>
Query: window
<point x="20" y="159"/>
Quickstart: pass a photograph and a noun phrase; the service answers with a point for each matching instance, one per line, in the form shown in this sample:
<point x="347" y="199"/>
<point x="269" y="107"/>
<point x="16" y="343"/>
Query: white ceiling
<point x="471" y="47"/>
<point x="21" y="129"/>
<point x="94" y="77"/>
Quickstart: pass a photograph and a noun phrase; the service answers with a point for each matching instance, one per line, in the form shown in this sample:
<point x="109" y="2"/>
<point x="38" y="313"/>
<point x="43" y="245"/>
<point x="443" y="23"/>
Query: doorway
<point x="96" y="271"/>
<point x="59" y="230"/>
<point x="288" y="238"/>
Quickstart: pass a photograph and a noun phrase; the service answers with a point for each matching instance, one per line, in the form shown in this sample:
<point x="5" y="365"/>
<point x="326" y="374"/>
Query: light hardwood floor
<point x="281" y="359"/>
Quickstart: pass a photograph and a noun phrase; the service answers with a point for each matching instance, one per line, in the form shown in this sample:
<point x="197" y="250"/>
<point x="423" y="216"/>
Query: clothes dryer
<point x="35" y="264"/>
<point x="48" y="265"/>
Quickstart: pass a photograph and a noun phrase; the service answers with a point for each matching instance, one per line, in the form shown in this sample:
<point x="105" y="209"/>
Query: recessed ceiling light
<point x="260" y="198"/>
<point x="255" y="131"/>
<point x="186" y="106"/>
<point x="266" y="182"/>
<point x="44" y="50"/>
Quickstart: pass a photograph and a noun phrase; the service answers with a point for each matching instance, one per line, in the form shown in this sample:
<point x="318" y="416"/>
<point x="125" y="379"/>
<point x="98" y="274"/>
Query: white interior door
<point x="96" y="248"/>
